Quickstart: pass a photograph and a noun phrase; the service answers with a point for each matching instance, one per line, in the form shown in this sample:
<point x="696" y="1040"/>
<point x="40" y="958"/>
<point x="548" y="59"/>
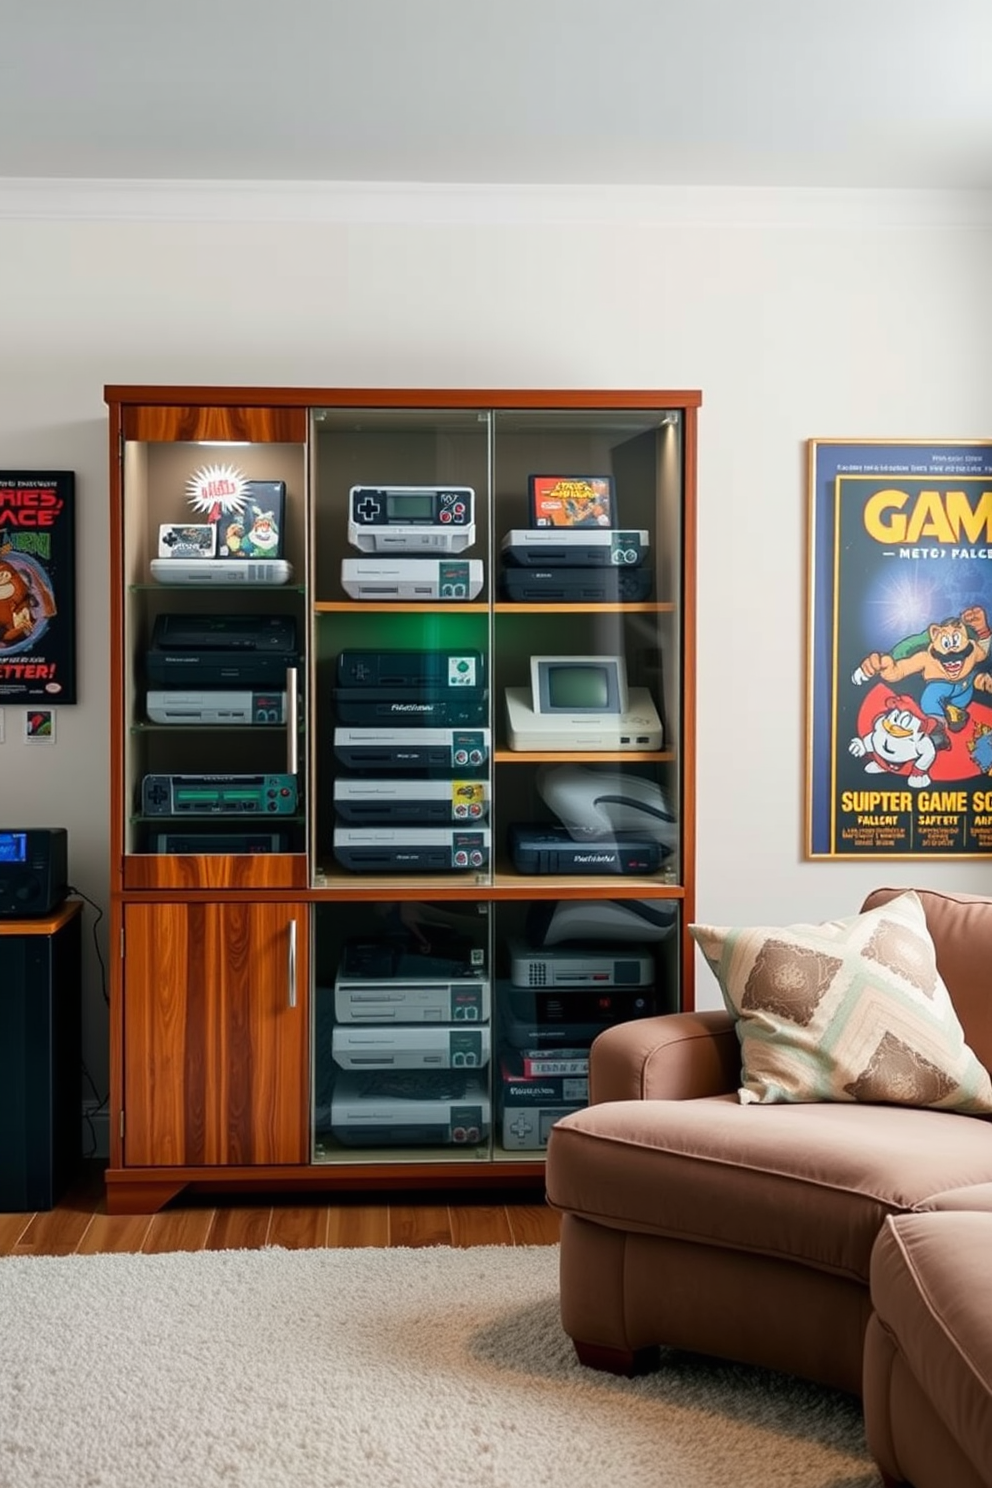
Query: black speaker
<point x="34" y="870"/>
<point x="40" y="1061"/>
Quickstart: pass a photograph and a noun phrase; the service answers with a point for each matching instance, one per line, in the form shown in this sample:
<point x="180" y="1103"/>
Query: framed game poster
<point x="899" y="683"/>
<point x="37" y="587"/>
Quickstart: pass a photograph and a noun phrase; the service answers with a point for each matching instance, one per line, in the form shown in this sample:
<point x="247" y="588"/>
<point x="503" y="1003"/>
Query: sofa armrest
<point x="678" y="1056"/>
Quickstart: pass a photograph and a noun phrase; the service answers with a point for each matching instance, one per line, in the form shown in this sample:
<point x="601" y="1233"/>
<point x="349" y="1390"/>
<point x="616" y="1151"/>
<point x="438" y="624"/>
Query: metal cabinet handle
<point x="291" y="968"/>
<point x="292" y="740"/>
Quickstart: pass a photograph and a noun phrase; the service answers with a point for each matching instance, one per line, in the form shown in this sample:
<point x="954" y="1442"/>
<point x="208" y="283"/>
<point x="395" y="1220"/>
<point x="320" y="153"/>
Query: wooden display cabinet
<point x="227" y="1023"/>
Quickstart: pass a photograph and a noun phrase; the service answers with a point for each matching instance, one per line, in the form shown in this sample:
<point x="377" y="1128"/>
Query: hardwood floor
<point x="80" y="1224"/>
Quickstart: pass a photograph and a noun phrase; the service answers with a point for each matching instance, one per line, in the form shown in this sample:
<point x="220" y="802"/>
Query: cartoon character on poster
<point x="27" y="602"/>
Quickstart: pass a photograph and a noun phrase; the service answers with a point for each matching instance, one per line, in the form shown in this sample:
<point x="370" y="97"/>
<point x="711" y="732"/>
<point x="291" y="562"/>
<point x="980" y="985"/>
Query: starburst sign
<point x="217" y="490"/>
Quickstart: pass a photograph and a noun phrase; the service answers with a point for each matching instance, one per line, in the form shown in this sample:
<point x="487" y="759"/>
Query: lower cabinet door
<point x="215" y="1032"/>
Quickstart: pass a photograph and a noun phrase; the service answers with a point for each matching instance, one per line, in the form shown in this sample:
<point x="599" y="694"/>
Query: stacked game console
<point x="243" y="544"/>
<point x="220" y="670"/>
<point x="573" y="553"/>
<point x="557" y="1000"/>
<point x="411" y="539"/>
<point x="411" y="732"/>
<point x="410" y="1043"/>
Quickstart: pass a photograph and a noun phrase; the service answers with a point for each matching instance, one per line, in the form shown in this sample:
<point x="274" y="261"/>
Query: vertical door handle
<point x="291" y="967"/>
<point x="292" y="741"/>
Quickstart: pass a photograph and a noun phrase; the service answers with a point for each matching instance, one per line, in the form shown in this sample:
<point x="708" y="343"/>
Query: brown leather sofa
<point x="752" y="1239"/>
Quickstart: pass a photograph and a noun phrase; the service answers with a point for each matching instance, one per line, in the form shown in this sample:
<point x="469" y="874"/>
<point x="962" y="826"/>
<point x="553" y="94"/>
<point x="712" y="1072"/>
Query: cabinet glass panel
<point x="214" y="551"/>
<point x="563" y="971"/>
<point x="402" y="741"/>
<point x="587" y="646"/>
<point x="402" y="1036"/>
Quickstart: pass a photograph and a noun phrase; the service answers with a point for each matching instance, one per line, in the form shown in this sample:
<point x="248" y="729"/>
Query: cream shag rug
<point x="427" y="1368"/>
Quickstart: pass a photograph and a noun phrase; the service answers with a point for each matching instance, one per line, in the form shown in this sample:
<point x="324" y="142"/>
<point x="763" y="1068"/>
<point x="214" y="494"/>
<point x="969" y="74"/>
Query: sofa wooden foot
<point x="617" y="1361"/>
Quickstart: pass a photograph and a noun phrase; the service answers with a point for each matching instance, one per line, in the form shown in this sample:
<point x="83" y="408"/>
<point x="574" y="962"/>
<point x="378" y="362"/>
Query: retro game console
<point x="216" y="707"/>
<point x="186" y="842"/>
<point x="411" y="801"/>
<point x="206" y="651"/>
<point x="567" y="1017"/>
<point x="444" y="669"/>
<point x="389" y="849"/>
<point x="526" y="1128"/>
<point x="427" y="1046"/>
<point x="221" y="570"/>
<point x="593" y="801"/>
<point x="576" y="547"/>
<point x="446" y="687"/>
<point x="412" y="578"/>
<point x="411" y="519"/>
<point x="576" y="585"/>
<point x="410" y="1108"/>
<point x="423" y="748"/>
<point x="218" y="795"/>
<point x="637" y="728"/>
<point x="426" y="706"/>
<point x="552" y="849"/>
<point x="578" y="967"/>
<point x="411" y="999"/>
<point x="581" y="703"/>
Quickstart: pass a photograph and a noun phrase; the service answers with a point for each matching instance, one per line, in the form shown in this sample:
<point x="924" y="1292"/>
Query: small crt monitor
<point x="578" y="685"/>
<point x="13" y="847"/>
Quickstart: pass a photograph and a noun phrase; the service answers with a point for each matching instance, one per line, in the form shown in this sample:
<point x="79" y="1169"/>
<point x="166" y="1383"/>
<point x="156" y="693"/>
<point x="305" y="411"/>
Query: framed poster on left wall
<point x="37" y="587"/>
<point x="899" y="680"/>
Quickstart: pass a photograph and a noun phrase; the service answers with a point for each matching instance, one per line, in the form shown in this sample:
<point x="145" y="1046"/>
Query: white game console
<point x="411" y="1000"/>
<point x="638" y="727"/>
<point x="221" y="570"/>
<point x="412" y="748"/>
<point x="575" y="547"/>
<point x="411" y="519"/>
<point x="526" y="1128"/>
<point x="578" y="967"/>
<point x="382" y="1109"/>
<point x="429" y="1046"/>
<point x="173" y="706"/>
<point x="388" y="849"/>
<point x="424" y="579"/>
<point x="359" y="800"/>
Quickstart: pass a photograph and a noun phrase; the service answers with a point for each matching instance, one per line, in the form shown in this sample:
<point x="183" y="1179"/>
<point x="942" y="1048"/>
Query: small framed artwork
<point x="37" y="587"/>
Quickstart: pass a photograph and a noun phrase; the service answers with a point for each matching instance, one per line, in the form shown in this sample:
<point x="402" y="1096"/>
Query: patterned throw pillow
<point x="850" y="1010"/>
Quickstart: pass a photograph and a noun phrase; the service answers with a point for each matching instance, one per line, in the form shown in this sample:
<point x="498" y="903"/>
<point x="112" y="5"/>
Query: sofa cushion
<point x="811" y="1183"/>
<point x="849" y="1010"/>
<point x="932" y="1293"/>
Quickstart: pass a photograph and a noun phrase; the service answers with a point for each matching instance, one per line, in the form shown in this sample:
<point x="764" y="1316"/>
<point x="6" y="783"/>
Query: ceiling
<point x="812" y="93"/>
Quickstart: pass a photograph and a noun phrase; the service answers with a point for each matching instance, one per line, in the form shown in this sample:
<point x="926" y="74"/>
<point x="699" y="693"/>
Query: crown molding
<point x="105" y="200"/>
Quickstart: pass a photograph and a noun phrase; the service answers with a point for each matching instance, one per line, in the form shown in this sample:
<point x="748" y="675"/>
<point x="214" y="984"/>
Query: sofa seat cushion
<point x="811" y="1183"/>
<point x="932" y="1293"/>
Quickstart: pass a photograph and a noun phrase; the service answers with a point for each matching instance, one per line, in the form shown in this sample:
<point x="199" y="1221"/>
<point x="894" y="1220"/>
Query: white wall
<point x="798" y="315"/>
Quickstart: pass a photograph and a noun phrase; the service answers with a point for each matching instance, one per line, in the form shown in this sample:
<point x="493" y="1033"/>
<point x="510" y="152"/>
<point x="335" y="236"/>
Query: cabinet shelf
<point x="258" y="948"/>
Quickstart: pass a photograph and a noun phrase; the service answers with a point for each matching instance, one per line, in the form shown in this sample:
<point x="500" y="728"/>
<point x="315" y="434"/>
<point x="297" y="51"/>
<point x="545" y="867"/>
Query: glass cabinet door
<point x="587" y="650"/>
<point x="402" y="744"/>
<point x="214" y="636"/>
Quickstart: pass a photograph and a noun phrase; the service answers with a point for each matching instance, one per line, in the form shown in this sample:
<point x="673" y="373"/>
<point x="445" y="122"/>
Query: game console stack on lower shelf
<point x="409" y="1041"/>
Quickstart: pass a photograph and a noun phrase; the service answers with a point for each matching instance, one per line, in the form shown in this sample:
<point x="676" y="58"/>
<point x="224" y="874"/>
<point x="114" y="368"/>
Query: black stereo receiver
<point x="34" y="870"/>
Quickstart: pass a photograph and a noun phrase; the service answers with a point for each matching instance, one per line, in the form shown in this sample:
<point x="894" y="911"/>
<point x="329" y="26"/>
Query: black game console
<point x="551" y="849"/>
<point x="422" y="707"/>
<point x="221" y="651"/>
<point x="461" y="671"/>
<point x="576" y="585"/>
